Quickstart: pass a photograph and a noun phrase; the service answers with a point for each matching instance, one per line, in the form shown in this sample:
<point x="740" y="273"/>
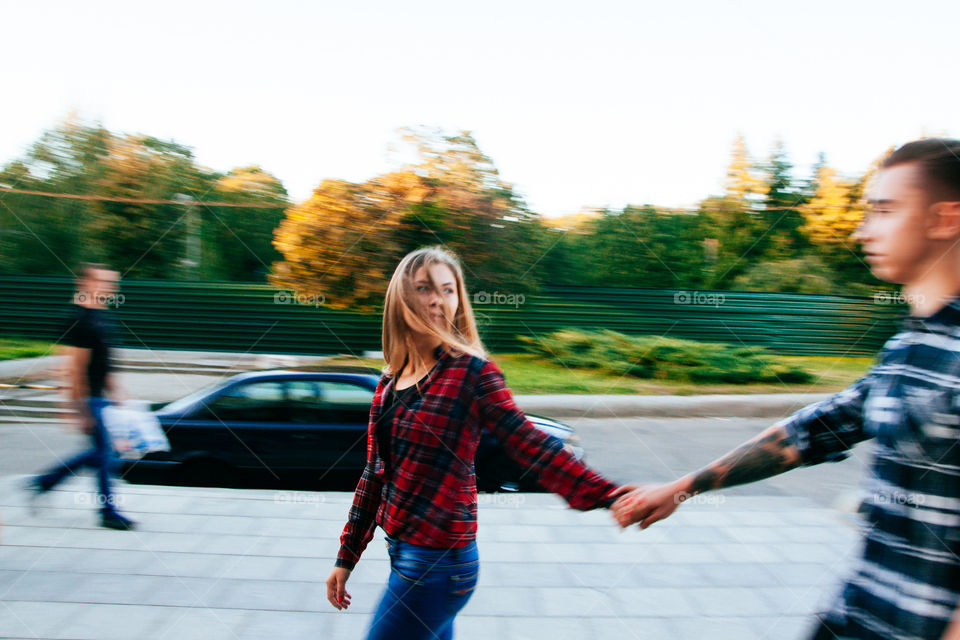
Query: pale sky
<point x="579" y="104"/>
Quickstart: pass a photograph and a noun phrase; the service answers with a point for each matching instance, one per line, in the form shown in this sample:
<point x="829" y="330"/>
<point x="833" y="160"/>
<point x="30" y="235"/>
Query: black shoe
<point x="34" y="491"/>
<point x="112" y="520"/>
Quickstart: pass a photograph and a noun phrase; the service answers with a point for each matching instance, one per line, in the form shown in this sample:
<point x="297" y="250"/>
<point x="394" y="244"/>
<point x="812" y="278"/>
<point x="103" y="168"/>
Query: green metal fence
<point x="217" y="316"/>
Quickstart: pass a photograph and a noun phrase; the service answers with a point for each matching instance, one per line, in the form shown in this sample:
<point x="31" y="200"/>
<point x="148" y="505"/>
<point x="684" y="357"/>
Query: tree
<point x="743" y="184"/>
<point x="238" y="241"/>
<point x="732" y="233"/>
<point x="41" y="234"/>
<point x="565" y="250"/>
<point x="781" y="238"/>
<point x="345" y="241"/>
<point x="333" y="245"/>
<point x="831" y="215"/>
<point x="645" y="247"/>
<point x="145" y="240"/>
<point x="732" y="223"/>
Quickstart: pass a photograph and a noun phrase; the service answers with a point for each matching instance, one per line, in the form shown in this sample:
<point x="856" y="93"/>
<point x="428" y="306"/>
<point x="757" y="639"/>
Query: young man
<point x="89" y="338"/>
<point x="907" y="583"/>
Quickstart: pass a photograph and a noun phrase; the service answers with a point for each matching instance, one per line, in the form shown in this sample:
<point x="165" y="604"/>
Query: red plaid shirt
<point x="429" y="496"/>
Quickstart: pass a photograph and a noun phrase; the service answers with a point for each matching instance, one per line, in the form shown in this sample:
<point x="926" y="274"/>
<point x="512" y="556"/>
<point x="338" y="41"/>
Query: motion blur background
<point x="308" y="147"/>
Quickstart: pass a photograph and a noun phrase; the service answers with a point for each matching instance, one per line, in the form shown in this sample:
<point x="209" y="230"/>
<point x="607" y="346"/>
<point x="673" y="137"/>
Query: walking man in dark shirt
<point x="89" y="338"/>
<point x="906" y="585"/>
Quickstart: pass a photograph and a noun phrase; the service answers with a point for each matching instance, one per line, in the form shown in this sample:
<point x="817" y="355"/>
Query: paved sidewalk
<point x="222" y="563"/>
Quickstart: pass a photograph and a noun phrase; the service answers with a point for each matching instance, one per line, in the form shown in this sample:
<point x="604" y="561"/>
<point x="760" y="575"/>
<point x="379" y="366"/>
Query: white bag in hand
<point x="134" y="430"/>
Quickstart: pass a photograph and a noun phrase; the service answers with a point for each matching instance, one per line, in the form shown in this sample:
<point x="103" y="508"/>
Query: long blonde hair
<point x="460" y="337"/>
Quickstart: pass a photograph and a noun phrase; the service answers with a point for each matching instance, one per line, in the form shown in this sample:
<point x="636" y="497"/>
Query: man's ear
<point x="946" y="221"/>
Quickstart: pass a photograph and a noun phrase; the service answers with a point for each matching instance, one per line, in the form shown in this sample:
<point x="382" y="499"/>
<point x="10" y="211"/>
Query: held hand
<point x="623" y="489"/>
<point x="649" y="504"/>
<point x="337" y="588"/>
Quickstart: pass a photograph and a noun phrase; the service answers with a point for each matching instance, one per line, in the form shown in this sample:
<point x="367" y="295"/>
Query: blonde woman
<point x="438" y="391"/>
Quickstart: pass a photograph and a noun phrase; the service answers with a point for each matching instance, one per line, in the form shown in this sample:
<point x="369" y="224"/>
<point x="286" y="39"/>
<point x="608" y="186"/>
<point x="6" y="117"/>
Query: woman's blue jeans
<point x="426" y="590"/>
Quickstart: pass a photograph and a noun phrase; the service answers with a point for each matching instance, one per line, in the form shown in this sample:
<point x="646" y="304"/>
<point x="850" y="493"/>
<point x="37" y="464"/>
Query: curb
<point x="761" y="405"/>
<point x="24" y="369"/>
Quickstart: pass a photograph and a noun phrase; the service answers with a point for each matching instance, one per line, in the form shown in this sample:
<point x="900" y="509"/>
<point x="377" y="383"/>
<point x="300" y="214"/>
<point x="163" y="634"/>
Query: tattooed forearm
<point x="767" y="455"/>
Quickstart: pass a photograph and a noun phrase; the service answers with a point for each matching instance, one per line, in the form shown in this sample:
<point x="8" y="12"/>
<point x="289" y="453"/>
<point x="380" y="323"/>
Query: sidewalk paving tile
<point x="209" y="563"/>
<point x="729" y="601"/>
<point x="654" y="602"/>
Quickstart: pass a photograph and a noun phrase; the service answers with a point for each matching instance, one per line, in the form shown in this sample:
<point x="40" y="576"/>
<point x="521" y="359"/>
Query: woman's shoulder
<point x="385" y="378"/>
<point x="474" y="364"/>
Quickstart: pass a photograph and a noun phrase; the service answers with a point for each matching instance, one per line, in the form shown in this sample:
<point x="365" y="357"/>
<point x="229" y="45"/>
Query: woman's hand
<point x="337" y="588"/>
<point x="649" y="504"/>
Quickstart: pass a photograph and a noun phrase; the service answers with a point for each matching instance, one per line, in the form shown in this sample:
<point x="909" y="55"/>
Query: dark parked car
<point x="306" y="428"/>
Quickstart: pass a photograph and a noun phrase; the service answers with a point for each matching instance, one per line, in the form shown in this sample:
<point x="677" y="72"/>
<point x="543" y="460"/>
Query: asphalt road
<point x="662" y="449"/>
<point x="635" y="449"/>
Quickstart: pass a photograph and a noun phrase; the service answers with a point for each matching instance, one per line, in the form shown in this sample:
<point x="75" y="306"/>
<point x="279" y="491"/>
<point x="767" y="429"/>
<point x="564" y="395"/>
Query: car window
<point x="303" y="392"/>
<point x="303" y="399"/>
<point x="183" y="403"/>
<point x="251" y="402"/>
<point x="328" y="401"/>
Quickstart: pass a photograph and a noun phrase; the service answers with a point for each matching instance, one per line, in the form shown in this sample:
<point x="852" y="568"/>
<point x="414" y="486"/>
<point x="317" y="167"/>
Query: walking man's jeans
<point x="426" y="590"/>
<point x="100" y="457"/>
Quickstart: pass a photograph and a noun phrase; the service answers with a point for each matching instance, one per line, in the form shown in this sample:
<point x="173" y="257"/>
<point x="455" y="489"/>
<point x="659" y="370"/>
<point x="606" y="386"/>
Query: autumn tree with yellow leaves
<point x="345" y="240"/>
<point x="834" y="210"/>
<point x="831" y="215"/>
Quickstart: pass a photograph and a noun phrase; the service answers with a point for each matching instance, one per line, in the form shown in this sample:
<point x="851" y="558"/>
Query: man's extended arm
<point x="769" y="454"/>
<point x="820" y="432"/>
<point x="766" y="455"/>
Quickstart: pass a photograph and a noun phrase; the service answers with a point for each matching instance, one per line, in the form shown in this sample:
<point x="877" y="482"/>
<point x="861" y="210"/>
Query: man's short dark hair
<point x="939" y="162"/>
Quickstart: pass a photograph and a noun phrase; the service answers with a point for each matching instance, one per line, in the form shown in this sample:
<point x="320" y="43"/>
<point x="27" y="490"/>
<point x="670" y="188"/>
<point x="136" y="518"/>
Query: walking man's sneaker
<point x="35" y="491"/>
<point x="113" y="520"/>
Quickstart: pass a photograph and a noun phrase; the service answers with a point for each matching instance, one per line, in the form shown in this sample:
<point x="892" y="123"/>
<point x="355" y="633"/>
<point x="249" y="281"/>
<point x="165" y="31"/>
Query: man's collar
<point x="948" y="314"/>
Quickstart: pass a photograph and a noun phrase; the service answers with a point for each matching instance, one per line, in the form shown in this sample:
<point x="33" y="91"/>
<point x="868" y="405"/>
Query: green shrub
<point x="662" y="358"/>
<point x="800" y="275"/>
